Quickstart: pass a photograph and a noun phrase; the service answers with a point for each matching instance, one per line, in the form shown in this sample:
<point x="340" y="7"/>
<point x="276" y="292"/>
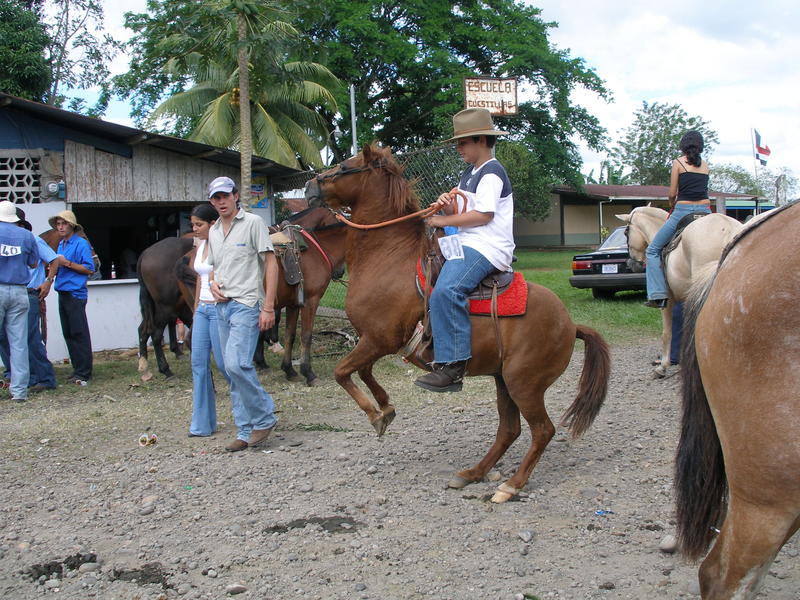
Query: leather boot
<point x="445" y="377"/>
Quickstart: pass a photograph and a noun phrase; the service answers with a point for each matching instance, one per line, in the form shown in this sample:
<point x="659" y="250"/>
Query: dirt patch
<point x="186" y="519"/>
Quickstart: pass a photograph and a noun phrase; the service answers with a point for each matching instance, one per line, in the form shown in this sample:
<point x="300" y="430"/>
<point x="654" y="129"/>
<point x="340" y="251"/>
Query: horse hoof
<point x="659" y="373"/>
<point x="294" y="378"/>
<point x="458" y="482"/>
<point x="143" y="365"/>
<point x="147" y="376"/>
<point x="504" y="493"/>
<point x="316" y="382"/>
<point x="381" y="424"/>
<point x="170" y="377"/>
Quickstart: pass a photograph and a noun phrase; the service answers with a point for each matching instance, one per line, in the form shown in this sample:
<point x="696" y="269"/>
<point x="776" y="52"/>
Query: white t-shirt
<point x="488" y="189"/>
<point x="203" y="269"/>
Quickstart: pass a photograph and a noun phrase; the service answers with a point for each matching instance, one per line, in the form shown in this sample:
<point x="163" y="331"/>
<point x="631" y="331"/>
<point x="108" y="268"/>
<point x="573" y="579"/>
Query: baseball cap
<point x="8" y="212"/>
<point x="221" y="184"/>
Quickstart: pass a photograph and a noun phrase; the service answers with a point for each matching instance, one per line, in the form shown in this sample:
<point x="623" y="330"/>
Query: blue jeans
<point x="14" y="320"/>
<point x="253" y="408"/>
<point x="205" y="339"/>
<point x="656" y="280"/>
<point x="449" y="307"/>
<point x="41" y="369"/>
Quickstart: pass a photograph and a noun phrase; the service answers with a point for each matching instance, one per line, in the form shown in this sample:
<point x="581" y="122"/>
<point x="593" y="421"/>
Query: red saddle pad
<point x="512" y="302"/>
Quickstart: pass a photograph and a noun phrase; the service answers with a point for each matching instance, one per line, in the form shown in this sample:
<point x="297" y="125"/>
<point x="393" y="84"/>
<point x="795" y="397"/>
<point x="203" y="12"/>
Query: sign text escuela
<point x="498" y="96"/>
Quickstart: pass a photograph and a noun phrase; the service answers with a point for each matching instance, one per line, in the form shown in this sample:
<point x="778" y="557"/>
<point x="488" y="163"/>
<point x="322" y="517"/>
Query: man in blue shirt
<point x="75" y="265"/>
<point x="42" y="375"/>
<point x="18" y="251"/>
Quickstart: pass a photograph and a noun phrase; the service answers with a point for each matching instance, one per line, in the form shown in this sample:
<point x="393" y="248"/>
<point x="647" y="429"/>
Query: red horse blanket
<point x="512" y="302"/>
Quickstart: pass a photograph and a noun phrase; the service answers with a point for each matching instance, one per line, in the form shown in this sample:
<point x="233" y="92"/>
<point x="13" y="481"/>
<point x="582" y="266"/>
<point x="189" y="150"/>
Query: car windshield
<point x="615" y="241"/>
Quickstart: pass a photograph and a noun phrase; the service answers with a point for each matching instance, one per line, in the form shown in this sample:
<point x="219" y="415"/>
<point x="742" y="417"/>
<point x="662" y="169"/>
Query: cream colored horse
<point x="695" y="256"/>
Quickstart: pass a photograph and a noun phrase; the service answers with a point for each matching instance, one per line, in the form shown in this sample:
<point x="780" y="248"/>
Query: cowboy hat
<point x="472" y="122"/>
<point x="66" y="215"/>
<point x="8" y="212"/>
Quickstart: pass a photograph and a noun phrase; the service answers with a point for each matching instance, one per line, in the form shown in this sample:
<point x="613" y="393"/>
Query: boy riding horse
<point x="484" y="244"/>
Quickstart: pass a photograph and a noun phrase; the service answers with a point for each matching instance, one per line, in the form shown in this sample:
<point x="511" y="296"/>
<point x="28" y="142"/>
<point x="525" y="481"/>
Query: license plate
<point x="610" y="268"/>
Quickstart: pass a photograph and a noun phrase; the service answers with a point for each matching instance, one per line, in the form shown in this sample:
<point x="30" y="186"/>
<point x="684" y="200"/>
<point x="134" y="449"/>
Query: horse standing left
<point x="738" y="461"/>
<point x="695" y="256"/>
<point x="384" y="307"/>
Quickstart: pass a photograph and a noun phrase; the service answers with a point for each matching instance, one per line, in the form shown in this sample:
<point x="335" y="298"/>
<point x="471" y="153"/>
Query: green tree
<point x="730" y="178"/>
<point x="609" y="174"/>
<point x="79" y="53"/>
<point x="24" y="70"/>
<point x="211" y="71"/>
<point x="407" y="61"/>
<point x="650" y="144"/>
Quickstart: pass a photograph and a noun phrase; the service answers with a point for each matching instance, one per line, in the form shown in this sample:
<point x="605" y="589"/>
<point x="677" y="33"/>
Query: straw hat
<point x="473" y="121"/>
<point x="68" y="216"/>
<point x="8" y="212"/>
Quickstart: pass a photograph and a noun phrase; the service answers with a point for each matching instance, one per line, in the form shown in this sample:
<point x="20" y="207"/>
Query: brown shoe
<point x="445" y="377"/>
<point x="259" y="436"/>
<point x="236" y="446"/>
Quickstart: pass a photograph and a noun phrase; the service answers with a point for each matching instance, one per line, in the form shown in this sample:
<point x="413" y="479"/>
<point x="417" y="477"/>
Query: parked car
<point x="609" y="269"/>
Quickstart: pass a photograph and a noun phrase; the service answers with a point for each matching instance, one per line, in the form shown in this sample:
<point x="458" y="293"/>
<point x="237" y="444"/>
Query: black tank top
<point x="692" y="186"/>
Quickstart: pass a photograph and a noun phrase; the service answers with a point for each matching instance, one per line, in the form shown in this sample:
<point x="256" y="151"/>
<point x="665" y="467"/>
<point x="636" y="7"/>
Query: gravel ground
<point x="329" y="511"/>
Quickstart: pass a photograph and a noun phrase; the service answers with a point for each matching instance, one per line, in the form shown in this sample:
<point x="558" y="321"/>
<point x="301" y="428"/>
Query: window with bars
<point x="20" y="179"/>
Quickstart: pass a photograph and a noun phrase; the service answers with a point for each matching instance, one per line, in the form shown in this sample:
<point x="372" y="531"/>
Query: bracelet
<point x="268" y="310"/>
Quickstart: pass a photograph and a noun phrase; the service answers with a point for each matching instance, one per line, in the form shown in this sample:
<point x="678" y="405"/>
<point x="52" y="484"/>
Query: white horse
<point x="695" y="256"/>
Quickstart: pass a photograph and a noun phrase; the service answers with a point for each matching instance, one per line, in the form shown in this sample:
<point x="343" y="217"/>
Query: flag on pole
<point x="761" y="152"/>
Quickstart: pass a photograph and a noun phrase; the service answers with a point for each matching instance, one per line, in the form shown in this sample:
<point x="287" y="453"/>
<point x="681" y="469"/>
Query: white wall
<point x="113" y="313"/>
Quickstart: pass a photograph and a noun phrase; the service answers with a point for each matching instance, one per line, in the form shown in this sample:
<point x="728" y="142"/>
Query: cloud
<point x="733" y="66"/>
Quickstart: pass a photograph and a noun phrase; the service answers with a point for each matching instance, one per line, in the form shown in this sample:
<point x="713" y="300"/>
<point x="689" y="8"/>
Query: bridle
<point x="378" y="164"/>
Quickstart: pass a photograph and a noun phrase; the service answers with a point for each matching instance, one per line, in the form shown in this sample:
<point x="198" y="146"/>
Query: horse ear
<point x="367" y="153"/>
<point x="625" y="217"/>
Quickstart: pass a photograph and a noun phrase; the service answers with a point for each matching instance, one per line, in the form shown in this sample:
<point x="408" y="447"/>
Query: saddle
<point x="499" y="294"/>
<point x="676" y="238"/>
<point x="288" y="243"/>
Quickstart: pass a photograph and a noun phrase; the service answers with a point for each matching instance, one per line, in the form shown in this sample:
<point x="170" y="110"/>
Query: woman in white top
<point x="205" y="336"/>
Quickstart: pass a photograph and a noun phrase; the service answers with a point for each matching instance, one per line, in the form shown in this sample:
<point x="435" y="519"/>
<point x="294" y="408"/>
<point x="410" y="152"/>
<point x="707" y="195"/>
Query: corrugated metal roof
<point x="132" y="136"/>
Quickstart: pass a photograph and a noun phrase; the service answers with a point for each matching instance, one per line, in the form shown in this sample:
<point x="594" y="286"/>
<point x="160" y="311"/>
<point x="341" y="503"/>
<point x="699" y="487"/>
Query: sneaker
<point x="38" y="388"/>
<point x="19" y="400"/>
<point x="78" y="381"/>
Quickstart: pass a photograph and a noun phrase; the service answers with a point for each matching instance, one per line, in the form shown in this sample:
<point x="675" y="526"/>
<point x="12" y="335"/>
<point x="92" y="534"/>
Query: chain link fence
<point x="432" y="170"/>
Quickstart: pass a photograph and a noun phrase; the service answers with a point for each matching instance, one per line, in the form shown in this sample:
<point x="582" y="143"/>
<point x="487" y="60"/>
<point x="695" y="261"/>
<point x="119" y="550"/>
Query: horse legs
<point x="666" y="340"/>
<point x="309" y="312"/>
<point x="508" y="430"/>
<point x="289" y="335"/>
<point x="529" y="399"/>
<point x="144" y="369"/>
<point x="174" y="346"/>
<point x="751" y="536"/>
<point x="380" y="395"/>
<point x="361" y="359"/>
<point x="158" y="350"/>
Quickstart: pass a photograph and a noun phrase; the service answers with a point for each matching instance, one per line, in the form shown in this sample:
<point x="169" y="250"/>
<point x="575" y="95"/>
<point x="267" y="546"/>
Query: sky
<point x="731" y="62"/>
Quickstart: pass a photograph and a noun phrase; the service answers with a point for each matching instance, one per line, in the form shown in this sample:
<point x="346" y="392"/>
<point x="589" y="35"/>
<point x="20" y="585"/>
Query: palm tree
<point x="286" y="125"/>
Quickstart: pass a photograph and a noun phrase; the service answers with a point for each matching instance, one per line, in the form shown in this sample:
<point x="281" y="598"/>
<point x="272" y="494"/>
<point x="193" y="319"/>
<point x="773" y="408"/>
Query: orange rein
<point x="423" y="214"/>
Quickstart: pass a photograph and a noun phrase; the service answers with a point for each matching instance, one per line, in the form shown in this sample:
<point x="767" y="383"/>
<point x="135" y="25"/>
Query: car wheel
<point x="601" y="294"/>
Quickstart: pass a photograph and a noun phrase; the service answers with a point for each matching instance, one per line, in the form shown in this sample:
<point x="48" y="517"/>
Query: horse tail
<point x="700" y="483"/>
<point x="593" y="384"/>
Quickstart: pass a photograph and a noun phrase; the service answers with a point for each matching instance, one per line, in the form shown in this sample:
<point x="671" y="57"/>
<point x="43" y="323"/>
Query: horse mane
<point x="650" y="211"/>
<point x="402" y="198"/>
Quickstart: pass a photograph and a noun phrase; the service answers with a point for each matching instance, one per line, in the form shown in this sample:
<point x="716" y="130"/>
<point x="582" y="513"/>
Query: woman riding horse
<point x="689" y="184"/>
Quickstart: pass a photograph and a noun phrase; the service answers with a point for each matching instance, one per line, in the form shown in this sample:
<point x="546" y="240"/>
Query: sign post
<point x="497" y="95"/>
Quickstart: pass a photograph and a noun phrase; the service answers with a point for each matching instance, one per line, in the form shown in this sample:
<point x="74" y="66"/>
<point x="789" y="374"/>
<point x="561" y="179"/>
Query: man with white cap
<point x="18" y="252"/>
<point x="74" y="265"/>
<point x="244" y="282"/>
<point x="484" y="244"/>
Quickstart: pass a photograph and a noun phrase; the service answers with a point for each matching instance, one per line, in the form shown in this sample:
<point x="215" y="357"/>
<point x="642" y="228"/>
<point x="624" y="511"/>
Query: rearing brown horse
<point x="384" y="307"/>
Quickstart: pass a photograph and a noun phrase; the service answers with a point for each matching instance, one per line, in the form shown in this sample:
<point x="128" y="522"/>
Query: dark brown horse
<point x="160" y="300"/>
<point x="384" y="307"/>
<point x="737" y="470"/>
<point x="324" y="256"/>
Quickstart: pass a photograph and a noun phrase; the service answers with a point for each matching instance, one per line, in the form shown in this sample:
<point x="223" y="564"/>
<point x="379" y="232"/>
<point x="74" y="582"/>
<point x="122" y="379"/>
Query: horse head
<point x="643" y="223"/>
<point x="370" y="180"/>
